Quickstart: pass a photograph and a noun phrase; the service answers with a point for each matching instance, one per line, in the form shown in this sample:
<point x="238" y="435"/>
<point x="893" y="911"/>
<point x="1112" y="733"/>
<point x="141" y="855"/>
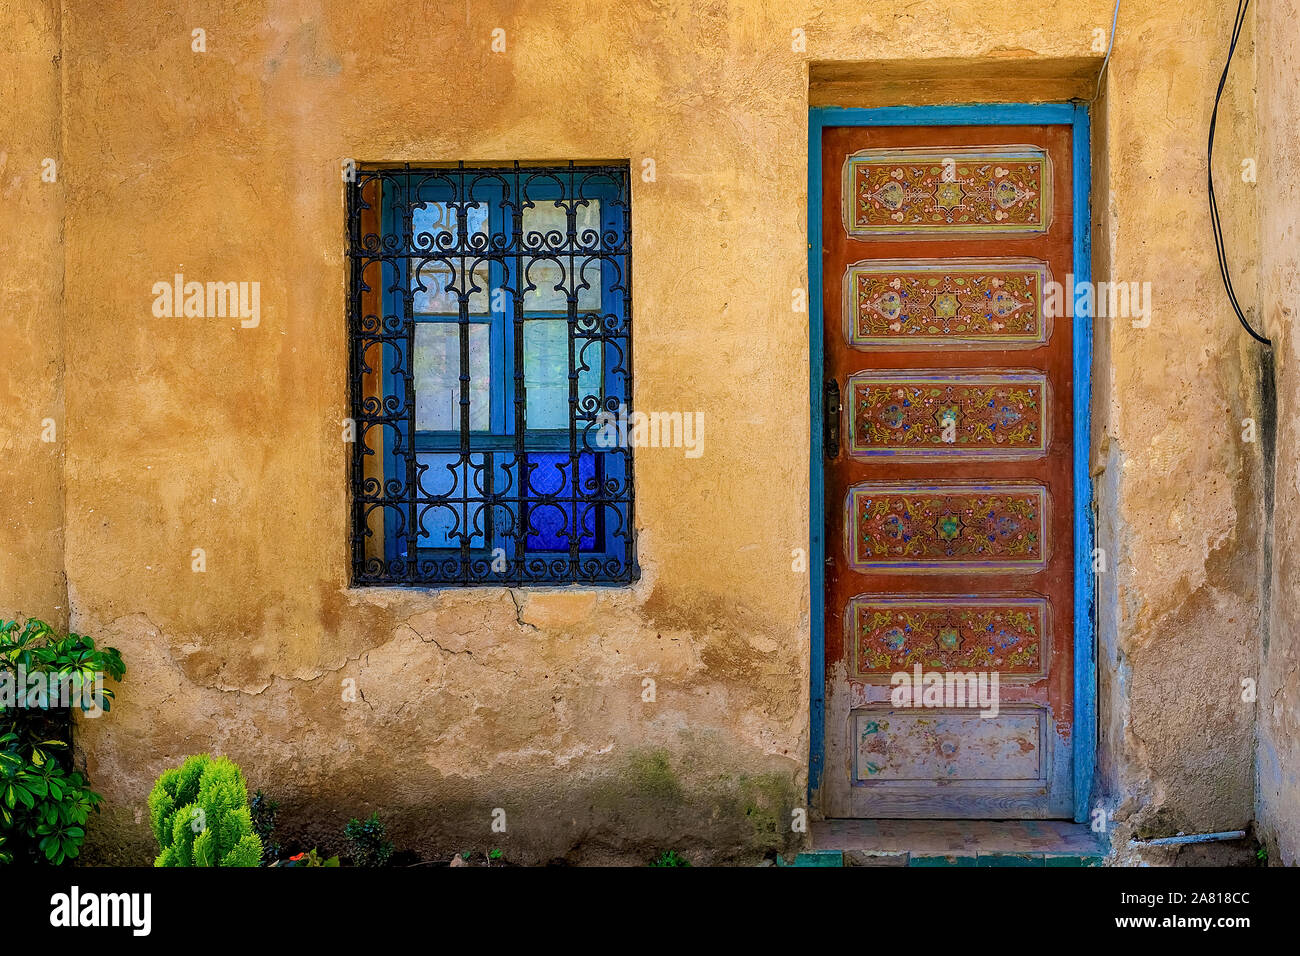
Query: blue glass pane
<point x="450" y="506"/>
<point x="546" y="372"/>
<point x="437" y="284"/>
<point x="550" y="518"/>
<point x="546" y="230"/>
<point x="437" y="376"/>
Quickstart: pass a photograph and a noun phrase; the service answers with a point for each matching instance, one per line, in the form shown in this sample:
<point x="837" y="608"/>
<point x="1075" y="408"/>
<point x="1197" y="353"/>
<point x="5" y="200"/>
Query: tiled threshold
<point x="952" y="843"/>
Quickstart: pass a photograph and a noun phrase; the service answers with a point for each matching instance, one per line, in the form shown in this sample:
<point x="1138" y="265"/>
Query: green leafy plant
<point x="495" y="854"/>
<point x="44" y="676"/>
<point x="670" y="858"/>
<point x="368" y="841"/>
<point x="200" y="816"/>
<point x="263" y="811"/>
<point x="311" y="858"/>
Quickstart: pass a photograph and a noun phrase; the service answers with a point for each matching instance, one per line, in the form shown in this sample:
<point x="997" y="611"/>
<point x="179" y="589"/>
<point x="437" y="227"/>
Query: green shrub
<point x="670" y="858"/>
<point x="44" y="802"/>
<point x="368" y="841"/>
<point x="200" y="817"/>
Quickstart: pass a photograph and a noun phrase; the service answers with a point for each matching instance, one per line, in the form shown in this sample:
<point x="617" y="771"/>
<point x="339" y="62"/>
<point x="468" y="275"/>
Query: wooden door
<point x="949" y="500"/>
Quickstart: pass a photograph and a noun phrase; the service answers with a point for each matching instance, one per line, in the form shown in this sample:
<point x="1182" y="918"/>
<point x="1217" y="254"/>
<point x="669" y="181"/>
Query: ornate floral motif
<point x="915" y="414"/>
<point x="997" y="526"/>
<point x="946" y="303"/>
<point x="891" y="633"/>
<point x="987" y="190"/>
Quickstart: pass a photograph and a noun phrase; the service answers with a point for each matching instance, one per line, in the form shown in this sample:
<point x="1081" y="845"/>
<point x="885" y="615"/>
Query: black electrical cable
<point x="1216" y="225"/>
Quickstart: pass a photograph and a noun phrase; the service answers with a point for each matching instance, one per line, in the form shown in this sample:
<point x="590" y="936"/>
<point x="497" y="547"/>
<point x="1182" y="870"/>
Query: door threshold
<point x="959" y="842"/>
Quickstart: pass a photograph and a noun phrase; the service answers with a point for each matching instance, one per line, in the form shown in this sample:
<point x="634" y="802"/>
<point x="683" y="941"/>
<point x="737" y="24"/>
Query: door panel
<point x="949" y="499"/>
<point x="902" y="415"/>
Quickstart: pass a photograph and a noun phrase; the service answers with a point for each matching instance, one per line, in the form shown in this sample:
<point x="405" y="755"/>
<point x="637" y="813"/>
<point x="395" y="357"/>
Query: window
<point x="490" y="313"/>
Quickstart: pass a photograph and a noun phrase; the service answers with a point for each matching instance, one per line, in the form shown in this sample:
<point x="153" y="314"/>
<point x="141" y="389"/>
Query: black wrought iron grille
<point x="490" y="312"/>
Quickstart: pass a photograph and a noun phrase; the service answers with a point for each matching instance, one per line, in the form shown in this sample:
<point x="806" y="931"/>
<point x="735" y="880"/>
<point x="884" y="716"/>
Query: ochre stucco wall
<point x="1180" y="513"/>
<point x="31" y="320"/>
<point x="195" y="433"/>
<point x="1278" y="301"/>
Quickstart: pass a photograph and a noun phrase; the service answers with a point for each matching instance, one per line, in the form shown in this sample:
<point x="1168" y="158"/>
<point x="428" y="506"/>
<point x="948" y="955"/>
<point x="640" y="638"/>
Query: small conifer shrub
<point x="200" y="817"/>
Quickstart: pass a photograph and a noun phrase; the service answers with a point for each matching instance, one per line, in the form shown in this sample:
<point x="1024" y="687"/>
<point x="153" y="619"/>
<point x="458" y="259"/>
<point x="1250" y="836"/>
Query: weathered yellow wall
<point x="31" y="317"/>
<point x="195" y="433"/>
<point x="1279" y="299"/>
<point x="1179" y="492"/>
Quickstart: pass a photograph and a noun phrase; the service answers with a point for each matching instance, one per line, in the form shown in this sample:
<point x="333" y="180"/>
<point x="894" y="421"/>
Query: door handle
<point x="831" y="418"/>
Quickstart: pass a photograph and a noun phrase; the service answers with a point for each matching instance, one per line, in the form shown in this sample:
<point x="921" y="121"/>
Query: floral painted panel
<point x="946" y="303"/>
<point x="905" y="414"/>
<point x="891" y="633"/>
<point x="947" y="191"/>
<point x="994" y="526"/>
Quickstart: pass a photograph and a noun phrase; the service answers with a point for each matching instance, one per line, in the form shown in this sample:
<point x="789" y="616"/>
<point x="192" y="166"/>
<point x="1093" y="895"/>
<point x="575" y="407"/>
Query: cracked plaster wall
<point x="183" y="434"/>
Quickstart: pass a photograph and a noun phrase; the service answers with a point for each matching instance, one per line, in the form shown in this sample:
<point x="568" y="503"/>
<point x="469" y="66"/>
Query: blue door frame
<point x="1074" y="115"/>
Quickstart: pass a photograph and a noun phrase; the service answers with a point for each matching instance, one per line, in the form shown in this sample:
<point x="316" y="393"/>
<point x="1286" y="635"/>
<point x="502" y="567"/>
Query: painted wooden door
<point x="948" y="471"/>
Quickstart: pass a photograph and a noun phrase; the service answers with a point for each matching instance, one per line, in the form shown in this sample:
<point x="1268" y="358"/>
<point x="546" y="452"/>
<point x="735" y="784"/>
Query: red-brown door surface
<point x="949" y="499"/>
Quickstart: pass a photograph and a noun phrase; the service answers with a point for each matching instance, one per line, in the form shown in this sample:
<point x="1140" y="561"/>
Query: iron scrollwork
<point x="476" y="295"/>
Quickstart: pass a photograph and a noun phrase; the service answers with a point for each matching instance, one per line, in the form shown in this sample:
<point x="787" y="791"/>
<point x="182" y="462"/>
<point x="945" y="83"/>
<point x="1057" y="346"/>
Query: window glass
<point x="437" y="376"/>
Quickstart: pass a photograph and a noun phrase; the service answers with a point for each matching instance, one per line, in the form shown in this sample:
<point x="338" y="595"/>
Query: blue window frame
<point x="490" y="312"/>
